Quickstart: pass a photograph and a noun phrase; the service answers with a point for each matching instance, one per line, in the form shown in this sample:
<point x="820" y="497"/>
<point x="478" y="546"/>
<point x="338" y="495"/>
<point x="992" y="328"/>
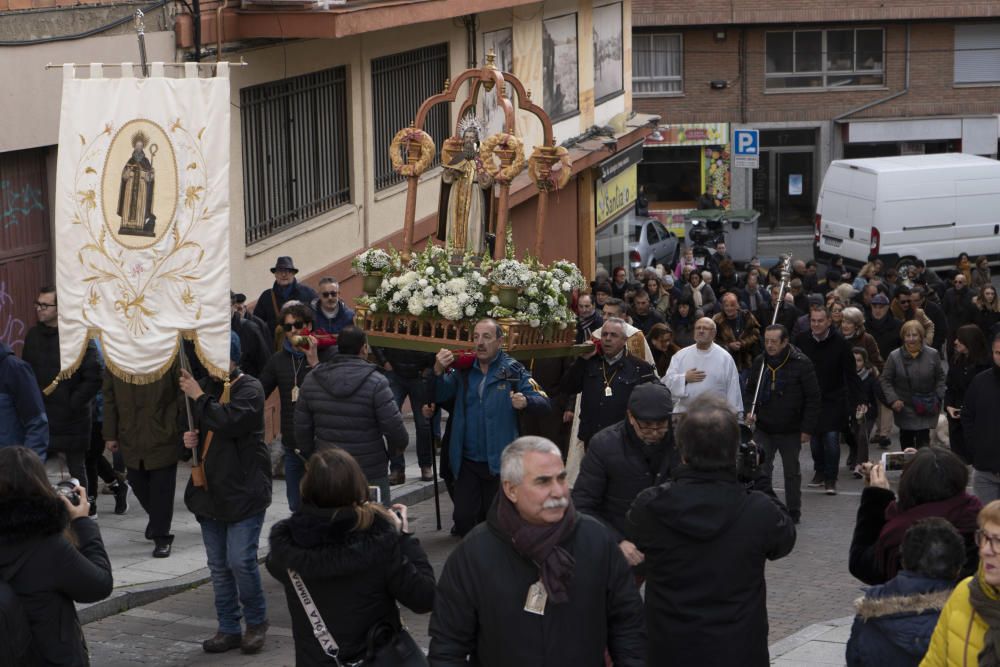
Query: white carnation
<point x="449" y="308"/>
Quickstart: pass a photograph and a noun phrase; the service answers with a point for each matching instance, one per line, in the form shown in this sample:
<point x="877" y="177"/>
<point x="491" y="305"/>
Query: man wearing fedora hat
<point x="285" y="288"/>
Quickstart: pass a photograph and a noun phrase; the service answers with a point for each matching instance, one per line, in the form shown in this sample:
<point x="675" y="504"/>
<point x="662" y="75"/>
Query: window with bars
<point x="295" y="150"/>
<point x="825" y="58"/>
<point x="657" y="64"/>
<point x="400" y="84"/>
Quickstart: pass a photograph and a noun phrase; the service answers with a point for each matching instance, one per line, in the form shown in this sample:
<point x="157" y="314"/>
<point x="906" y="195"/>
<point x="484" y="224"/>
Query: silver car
<point x="650" y="244"/>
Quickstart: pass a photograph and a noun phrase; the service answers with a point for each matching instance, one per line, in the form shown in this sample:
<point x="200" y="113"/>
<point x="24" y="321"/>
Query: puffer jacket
<point x="355" y="577"/>
<point x="22" y="412"/>
<point x="894" y="622"/>
<point x="905" y="376"/>
<point x="49" y="574"/>
<point x="959" y="634"/>
<point x="348" y="403"/>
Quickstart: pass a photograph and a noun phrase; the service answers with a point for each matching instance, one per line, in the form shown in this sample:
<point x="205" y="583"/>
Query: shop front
<point x="919" y="136"/>
<point x="685" y="165"/>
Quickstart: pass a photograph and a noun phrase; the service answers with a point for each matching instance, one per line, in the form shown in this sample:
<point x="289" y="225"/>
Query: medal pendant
<point x="295" y="394"/>
<point x="607" y="391"/>
<point x="535" y="602"/>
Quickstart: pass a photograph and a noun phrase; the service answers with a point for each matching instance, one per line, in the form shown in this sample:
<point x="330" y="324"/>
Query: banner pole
<point x="140" y="30"/>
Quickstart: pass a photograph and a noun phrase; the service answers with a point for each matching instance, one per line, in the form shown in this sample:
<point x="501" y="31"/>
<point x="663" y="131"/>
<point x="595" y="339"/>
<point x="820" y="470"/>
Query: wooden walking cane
<point x="197" y="471"/>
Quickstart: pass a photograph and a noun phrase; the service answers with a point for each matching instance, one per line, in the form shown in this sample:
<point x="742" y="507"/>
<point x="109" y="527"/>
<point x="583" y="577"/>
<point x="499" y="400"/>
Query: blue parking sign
<point x="746" y="148"/>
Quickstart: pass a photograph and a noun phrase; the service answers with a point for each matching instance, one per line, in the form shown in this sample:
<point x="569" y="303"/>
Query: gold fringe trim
<point x="134" y="378"/>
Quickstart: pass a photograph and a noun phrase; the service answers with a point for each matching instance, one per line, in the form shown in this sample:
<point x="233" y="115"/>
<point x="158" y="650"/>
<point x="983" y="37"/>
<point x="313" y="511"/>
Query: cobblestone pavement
<point x="811" y="585"/>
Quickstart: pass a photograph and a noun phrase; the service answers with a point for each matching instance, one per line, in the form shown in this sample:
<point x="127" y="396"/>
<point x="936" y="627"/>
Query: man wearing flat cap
<point x="624" y="459"/>
<point x="285" y="288"/>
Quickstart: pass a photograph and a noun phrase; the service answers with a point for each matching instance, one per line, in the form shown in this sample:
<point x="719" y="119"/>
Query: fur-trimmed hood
<point x="321" y="543"/>
<point x="922" y="603"/>
<point x="25" y="520"/>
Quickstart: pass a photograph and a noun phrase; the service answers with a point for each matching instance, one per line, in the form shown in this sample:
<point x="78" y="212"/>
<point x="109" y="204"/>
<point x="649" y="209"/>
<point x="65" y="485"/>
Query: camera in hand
<point x="749" y="457"/>
<point x="67" y="489"/>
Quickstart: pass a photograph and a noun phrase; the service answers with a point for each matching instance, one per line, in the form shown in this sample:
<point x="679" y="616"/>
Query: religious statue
<point x="135" y="195"/>
<point x="464" y="212"/>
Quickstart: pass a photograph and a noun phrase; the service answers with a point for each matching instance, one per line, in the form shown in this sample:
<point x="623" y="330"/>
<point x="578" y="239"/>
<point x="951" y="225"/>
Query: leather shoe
<point x="221" y="643"/>
<point x="397" y="477"/>
<point x="253" y="638"/>
<point x="426" y="474"/>
<point x="162" y="548"/>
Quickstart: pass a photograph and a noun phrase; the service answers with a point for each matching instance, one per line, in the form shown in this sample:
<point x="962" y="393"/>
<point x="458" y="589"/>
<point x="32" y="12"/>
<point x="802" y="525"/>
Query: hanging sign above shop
<point x="615" y="195"/>
<point x="689" y="134"/>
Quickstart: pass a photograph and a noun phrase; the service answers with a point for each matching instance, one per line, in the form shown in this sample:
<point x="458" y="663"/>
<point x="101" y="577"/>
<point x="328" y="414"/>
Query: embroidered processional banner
<point x="142" y="219"/>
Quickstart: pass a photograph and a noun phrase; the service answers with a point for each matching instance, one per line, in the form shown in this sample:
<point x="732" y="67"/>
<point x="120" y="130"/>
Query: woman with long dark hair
<point x="932" y="484"/>
<point x="972" y="356"/>
<point x="682" y="322"/>
<point x="354" y="558"/>
<point x="51" y="555"/>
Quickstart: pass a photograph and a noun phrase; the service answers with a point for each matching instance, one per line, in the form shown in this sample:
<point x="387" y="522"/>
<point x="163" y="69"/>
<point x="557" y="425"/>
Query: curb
<point x="805" y="635"/>
<point x="140" y="595"/>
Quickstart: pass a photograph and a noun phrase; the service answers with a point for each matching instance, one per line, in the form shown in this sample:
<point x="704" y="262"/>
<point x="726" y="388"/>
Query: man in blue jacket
<point x="332" y="314"/>
<point x="22" y="413"/>
<point x="487" y="397"/>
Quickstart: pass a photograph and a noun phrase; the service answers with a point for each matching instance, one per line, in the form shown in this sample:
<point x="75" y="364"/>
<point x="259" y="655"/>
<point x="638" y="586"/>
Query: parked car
<point x="900" y="208"/>
<point x="650" y="243"/>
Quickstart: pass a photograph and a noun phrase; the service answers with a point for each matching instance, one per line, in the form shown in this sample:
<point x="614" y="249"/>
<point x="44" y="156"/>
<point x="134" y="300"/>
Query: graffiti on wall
<point x="11" y="328"/>
<point x="18" y="203"/>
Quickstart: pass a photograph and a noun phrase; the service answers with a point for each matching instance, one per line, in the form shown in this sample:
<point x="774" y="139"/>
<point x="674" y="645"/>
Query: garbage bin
<point x="738" y="225"/>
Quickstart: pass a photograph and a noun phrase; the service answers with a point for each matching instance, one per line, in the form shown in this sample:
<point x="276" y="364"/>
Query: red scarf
<point x="960" y="510"/>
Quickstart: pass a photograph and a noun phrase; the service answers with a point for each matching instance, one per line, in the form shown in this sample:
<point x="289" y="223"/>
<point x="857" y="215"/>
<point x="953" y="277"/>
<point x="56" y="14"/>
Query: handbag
<point x="386" y="646"/>
<point x="923" y="404"/>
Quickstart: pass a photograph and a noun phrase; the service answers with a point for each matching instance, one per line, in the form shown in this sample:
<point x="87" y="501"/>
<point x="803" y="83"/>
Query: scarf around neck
<point x="541" y="545"/>
<point x="985" y="600"/>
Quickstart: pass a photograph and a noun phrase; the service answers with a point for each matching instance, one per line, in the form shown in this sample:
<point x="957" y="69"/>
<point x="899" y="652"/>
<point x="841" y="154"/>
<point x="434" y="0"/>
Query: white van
<point x="930" y="207"/>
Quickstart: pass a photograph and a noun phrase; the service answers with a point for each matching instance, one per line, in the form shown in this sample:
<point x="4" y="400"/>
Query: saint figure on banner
<point x="465" y="193"/>
<point x="135" y="195"/>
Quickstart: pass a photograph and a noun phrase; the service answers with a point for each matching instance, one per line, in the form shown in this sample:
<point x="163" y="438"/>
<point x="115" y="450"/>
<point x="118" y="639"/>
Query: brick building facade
<point x="821" y="81"/>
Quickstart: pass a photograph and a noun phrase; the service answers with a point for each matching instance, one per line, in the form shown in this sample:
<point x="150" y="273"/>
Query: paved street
<point x="810" y="586"/>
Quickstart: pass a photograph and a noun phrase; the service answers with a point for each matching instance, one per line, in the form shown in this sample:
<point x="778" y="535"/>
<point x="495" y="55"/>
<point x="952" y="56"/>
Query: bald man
<point x="703" y="368"/>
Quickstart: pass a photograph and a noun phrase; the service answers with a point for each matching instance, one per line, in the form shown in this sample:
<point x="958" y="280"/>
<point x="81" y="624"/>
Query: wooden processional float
<point x="533" y="327"/>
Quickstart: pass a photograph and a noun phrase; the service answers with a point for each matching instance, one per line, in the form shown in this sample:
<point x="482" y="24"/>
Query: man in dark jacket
<point x="537" y="584"/>
<point x="22" y="412"/>
<point x="788" y="314"/>
<point x="408" y="373"/>
<point x="625" y="459"/>
<point x="787" y="410"/>
<point x="231" y="500"/>
<point x="141" y="421"/>
<point x="884" y="328"/>
<point x="738" y="332"/>
<point x="981" y="423"/>
<point x="644" y="316"/>
<point x="706" y="539"/>
<point x="285" y="288"/>
<point x="332" y="314"/>
<point x="606" y="380"/>
<point x="71" y="401"/>
<point x="840" y="389"/>
<point x="347" y="403"/>
<point x="934" y="312"/>
<point x="588" y="319"/>
<point x="957" y="305"/>
<point x="256" y="342"/>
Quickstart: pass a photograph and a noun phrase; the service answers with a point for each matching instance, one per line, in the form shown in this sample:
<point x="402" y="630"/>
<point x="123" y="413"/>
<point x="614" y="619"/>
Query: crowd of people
<point x="672" y="363"/>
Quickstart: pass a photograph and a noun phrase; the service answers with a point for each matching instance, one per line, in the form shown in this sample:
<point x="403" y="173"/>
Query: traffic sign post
<point x="746" y="149"/>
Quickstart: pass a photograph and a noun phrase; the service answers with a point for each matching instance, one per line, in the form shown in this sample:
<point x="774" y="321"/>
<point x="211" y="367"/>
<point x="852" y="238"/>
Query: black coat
<point x="51" y="574"/>
<point x="348" y="403"/>
<point x="283" y="371"/>
<point x="958" y="308"/>
<point x="355" y="577"/>
<point x="256" y="343"/>
<point x="615" y="469"/>
<point x="587" y="377"/>
<point x="237" y="467"/>
<point x="646" y="322"/>
<point x="706" y="539"/>
<point x="981" y="420"/>
<point x="838" y="379"/>
<point x="69" y="407"/>
<point x="793" y="405"/>
<point x="885" y="332"/>
<point x="269" y="298"/>
<point x="936" y="315"/>
<point x="479" y="608"/>
<point x="787" y="316"/>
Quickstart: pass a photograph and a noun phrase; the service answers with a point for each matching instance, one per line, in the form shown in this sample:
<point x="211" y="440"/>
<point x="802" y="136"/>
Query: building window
<point x="295" y="150"/>
<point x="825" y="58"/>
<point x="977" y="53"/>
<point x="400" y="84"/>
<point x="657" y="66"/>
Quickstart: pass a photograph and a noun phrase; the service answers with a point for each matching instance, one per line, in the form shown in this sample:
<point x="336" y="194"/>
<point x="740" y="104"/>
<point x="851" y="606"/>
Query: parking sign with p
<point x="746" y="148"/>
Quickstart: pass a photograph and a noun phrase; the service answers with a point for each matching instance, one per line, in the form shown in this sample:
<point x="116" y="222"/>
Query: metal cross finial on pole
<point x="140" y="30"/>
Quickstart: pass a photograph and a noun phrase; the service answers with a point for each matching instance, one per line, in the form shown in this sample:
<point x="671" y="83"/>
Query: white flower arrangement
<point x="373" y="260"/>
<point x="511" y="273"/>
<point x="569" y="274"/>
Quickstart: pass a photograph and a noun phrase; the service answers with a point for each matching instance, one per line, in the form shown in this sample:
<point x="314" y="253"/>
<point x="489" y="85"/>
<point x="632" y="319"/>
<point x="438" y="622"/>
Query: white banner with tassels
<point x="142" y="219"/>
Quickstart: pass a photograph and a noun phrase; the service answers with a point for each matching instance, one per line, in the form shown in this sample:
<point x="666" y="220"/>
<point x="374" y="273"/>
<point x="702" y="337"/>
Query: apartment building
<point x="325" y="87"/>
<point x="821" y="81"/>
